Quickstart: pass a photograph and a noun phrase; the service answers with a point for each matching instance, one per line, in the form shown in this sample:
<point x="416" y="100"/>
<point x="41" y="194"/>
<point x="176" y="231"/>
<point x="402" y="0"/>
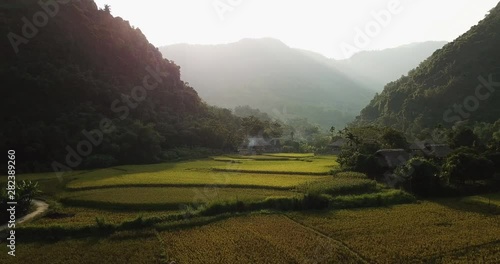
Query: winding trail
<point x="41" y="207"/>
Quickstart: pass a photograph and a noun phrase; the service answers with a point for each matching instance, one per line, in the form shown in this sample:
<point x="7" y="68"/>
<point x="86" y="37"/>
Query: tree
<point x="107" y="9"/>
<point x="463" y="167"/>
<point x="332" y="131"/>
<point x="463" y="137"/>
<point x="420" y="176"/>
<point x="393" y="139"/>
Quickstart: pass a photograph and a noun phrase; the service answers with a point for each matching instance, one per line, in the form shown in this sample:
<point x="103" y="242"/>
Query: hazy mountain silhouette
<point x="267" y="74"/>
<point x="377" y="68"/>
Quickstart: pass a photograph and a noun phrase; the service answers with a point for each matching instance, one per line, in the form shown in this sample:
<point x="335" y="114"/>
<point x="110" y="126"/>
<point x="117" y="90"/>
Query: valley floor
<point x="142" y="214"/>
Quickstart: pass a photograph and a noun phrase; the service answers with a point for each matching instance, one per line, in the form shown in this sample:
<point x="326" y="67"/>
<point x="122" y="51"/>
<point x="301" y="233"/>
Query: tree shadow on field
<point x="459" y="204"/>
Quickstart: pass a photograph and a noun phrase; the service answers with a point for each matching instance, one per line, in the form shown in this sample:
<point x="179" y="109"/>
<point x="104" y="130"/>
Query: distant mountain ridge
<point x="377" y="68"/>
<point x="267" y="74"/>
<point x="286" y="82"/>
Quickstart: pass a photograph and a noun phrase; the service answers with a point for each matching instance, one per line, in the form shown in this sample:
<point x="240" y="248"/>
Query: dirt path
<point x="41" y="207"/>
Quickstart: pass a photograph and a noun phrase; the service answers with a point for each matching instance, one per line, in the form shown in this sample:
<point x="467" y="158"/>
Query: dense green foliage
<point x="466" y="166"/>
<point x="25" y="192"/>
<point x="84" y="68"/>
<point x="419" y="176"/>
<point x="456" y="83"/>
<point x="363" y="142"/>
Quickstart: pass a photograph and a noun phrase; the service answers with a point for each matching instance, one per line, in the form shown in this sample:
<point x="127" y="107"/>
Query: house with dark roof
<point x="439" y="151"/>
<point x="390" y="159"/>
<point x="337" y="145"/>
<point x="259" y="145"/>
<point x="430" y="150"/>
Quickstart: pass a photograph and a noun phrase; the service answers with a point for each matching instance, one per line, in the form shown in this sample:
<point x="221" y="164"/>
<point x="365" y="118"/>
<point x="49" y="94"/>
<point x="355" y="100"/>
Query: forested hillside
<point x="84" y="72"/>
<point x="457" y="83"/>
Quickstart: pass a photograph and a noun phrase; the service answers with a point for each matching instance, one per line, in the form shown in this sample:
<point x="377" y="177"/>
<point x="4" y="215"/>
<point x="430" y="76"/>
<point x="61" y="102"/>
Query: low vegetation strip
<point x="383" y="198"/>
<point x="340" y="186"/>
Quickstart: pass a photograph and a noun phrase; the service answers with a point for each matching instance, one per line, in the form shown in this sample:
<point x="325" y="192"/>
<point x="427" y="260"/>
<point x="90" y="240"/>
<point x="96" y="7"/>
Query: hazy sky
<point x="330" y="27"/>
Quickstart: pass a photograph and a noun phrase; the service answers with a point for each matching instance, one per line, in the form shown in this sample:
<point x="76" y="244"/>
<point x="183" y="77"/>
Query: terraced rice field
<point x="292" y="155"/>
<point x="255" y="239"/>
<point x="167" y="197"/>
<point x="199" y="173"/>
<point x="128" y="247"/>
<point x="429" y="232"/>
<point x="465" y="230"/>
<point x="194" y="178"/>
<point x="321" y="165"/>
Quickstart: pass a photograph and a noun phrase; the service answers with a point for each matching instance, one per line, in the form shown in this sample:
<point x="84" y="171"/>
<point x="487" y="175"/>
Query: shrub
<point x="315" y="201"/>
<point x="359" y="162"/>
<point x="351" y="174"/>
<point x="282" y="203"/>
<point x="26" y="191"/>
<point x="420" y="176"/>
<point x="103" y="227"/>
<point x="169" y="155"/>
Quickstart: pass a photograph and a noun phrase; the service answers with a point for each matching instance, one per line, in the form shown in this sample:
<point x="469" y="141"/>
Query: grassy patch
<point x="492" y="200"/>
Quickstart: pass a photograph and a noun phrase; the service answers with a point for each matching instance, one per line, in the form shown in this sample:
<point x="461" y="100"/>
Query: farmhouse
<point x="392" y="158"/>
<point x="259" y="145"/>
<point x="432" y="150"/>
<point x="337" y="145"/>
<point x="439" y="151"/>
